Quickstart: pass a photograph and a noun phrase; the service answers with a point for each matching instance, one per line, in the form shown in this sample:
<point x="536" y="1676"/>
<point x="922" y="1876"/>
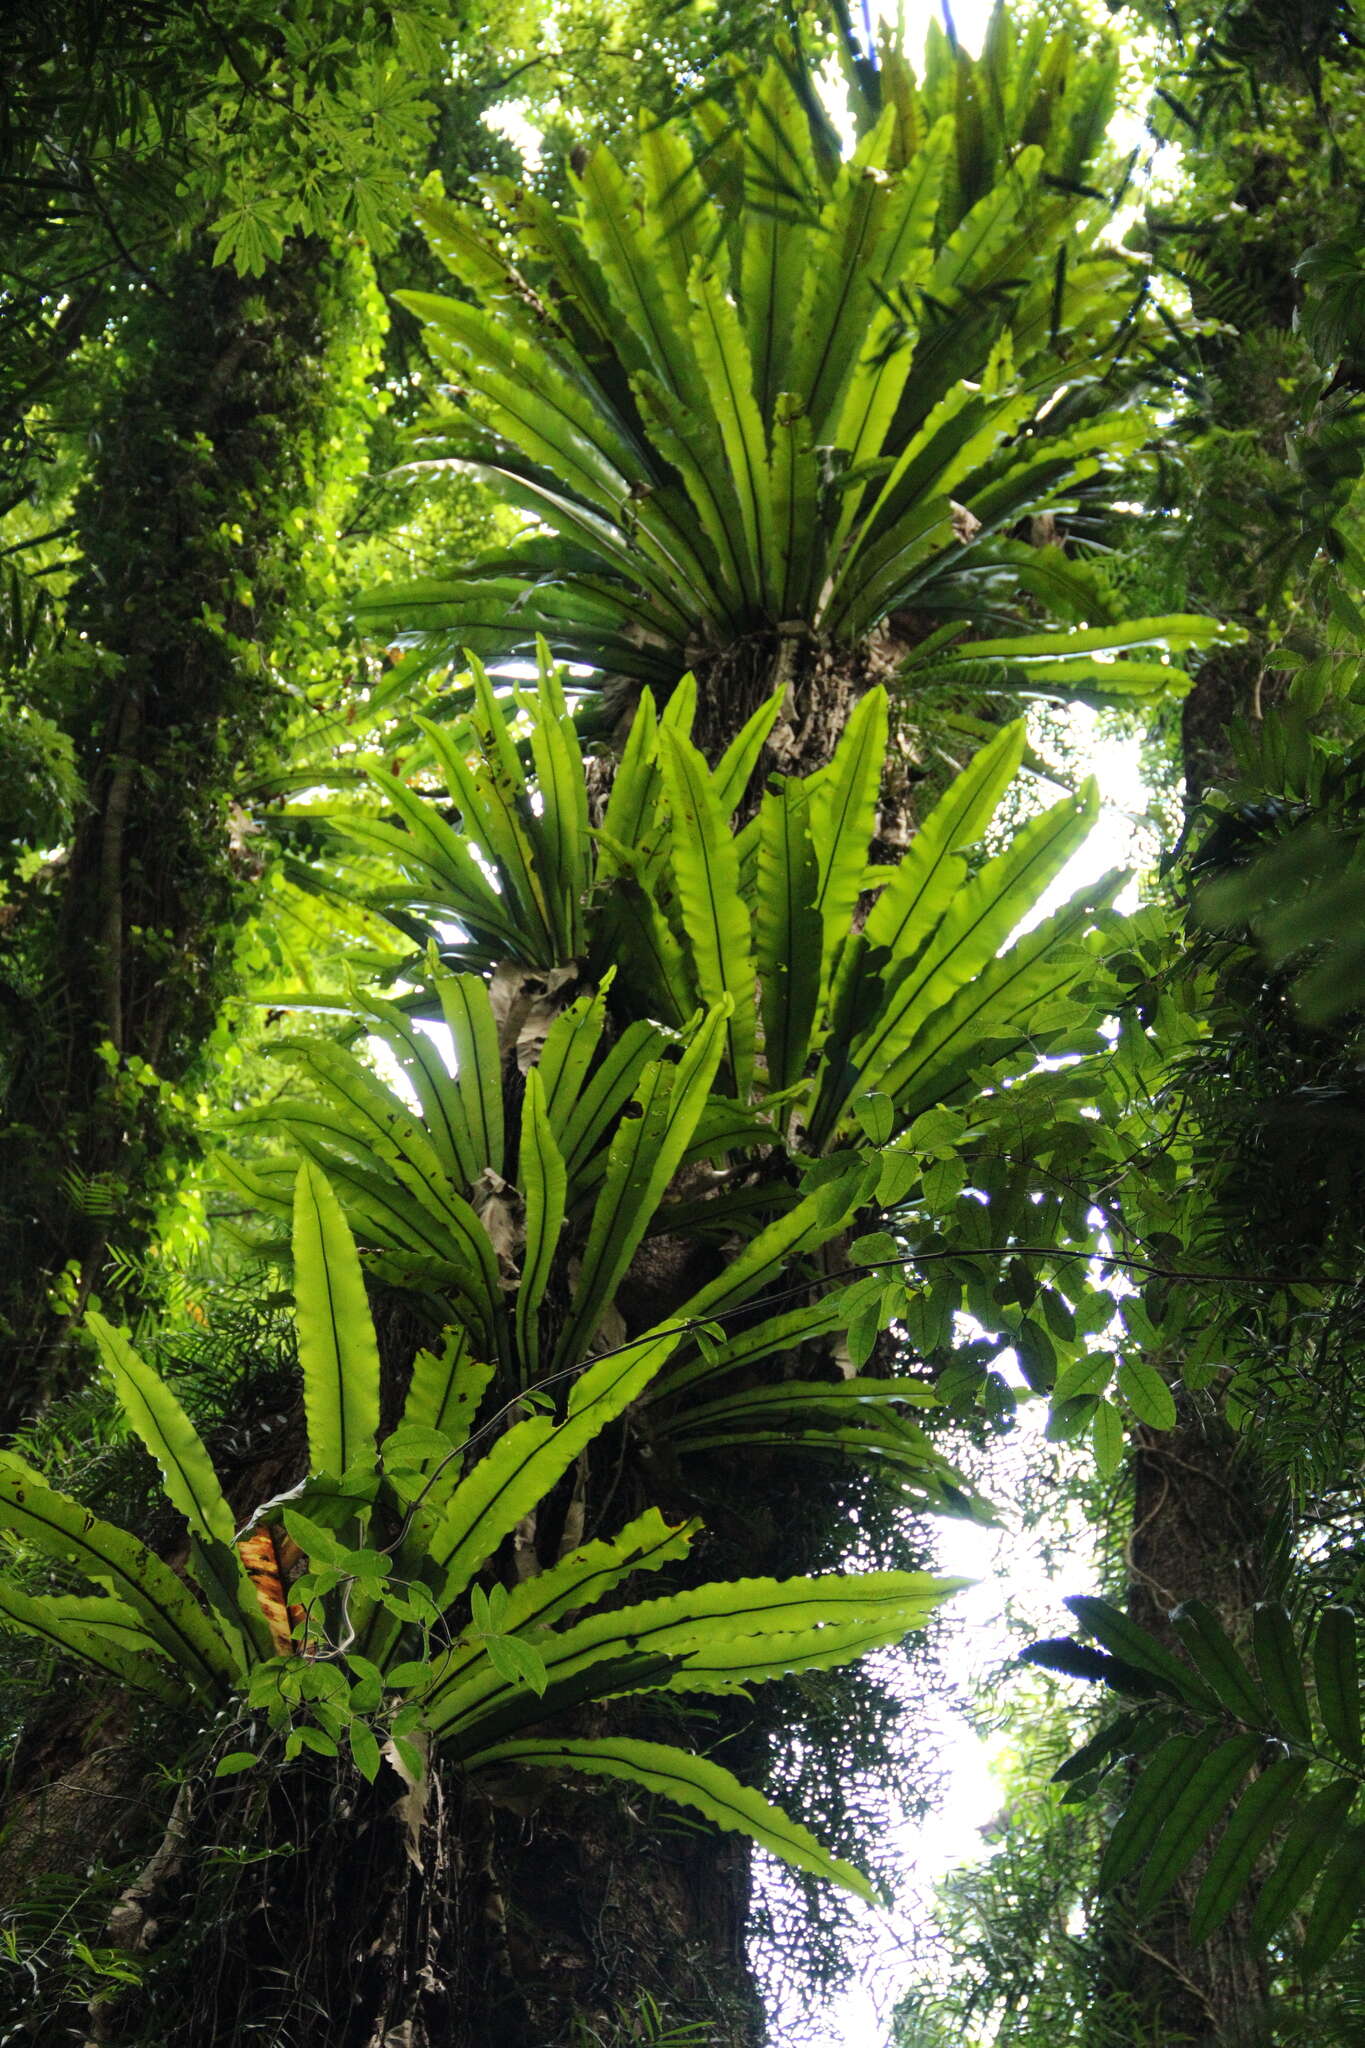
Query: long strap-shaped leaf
<point x="544" y="1185"/>
<point x="492" y="819"/>
<point x="432" y="844"/>
<point x="446" y="1389"/>
<point x="561" y="828"/>
<point x="478" y="1068"/>
<point x="715" y="921"/>
<point x="844" y="816"/>
<point x="369" y="1112"/>
<point x="999" y="1004"/>
<point x="687" y="1780"/>
<point x="455" y="1245"/>
<point x="525" y="1463"/>
<point x="443" y="1112"/>
<point x="812" y="1222"/>
<point x="789" y="932"/>
<point x="826" y="1313"/>
<point x="338" y="1355"/>
<point x="726" y="366"/>
<point x="926" y="881"/>
<point x="589" y="1116"/>
<point x="136" y="1575"/>
<point x="633" y="806"/>
<point x="579" y="1580"/>
<point x="651" y="1138"/>
<point x="570" y="1045"/>
<point x="783" y="193"/>
<point x="190" y="1481"/>
<point x="721" y="1634"/>
<point x="975" y="927"/>
<point x="93" y="1643"/>
<point x="740" y="758"/>
<point x="624" y="240"/>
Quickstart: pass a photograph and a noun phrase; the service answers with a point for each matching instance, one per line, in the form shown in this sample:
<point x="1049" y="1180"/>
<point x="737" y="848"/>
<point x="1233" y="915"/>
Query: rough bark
<point x="1202" y="1508"/>
<point x="1201" y="1514"/>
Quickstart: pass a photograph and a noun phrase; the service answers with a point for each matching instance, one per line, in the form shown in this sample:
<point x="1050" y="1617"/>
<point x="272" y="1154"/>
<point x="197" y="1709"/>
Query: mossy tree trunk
<point x="191" y="523"/>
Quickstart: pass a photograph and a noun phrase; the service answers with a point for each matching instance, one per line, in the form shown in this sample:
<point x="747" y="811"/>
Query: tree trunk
<point x="207" y="445"/>
<point x="1201" y="1515"/>
<point x="1202" y="1507"/>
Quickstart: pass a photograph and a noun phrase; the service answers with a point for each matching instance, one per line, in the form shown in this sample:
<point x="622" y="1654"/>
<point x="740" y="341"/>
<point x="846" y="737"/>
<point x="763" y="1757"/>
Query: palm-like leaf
<point x="755" y="386"/>
<point x="148" y="1633"/>
<point x="1223" y="1715"/>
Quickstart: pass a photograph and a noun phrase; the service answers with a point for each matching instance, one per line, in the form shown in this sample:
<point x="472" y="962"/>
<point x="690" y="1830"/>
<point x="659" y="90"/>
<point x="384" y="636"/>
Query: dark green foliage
<point x="1287" y="1825"/>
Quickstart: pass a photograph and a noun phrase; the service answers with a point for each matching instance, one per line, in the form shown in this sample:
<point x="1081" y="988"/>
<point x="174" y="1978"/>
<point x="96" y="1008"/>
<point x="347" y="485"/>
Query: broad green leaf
<point x="1124" y="1638"/>
<point x="686" y="1780"/>
<point x="1193" y="1810"/>
<point x="1088" y="1374"/>
<point x="631" y="933"/>
<point x="546" y="411"/>
<point x="812" y="1222"/>
<point x="802" y="534"/>
<point x="1279" y="1662"/>
<point x="839" y="295"/>
<point x="338" y="1355"/>
<point x="1149" y="1804"/>
<point x="454" y="1248"/>
<point x="690" y="440"/>
<point x="1106" y="1435"/>
<point x="1263" y="1806"/>
<point x="1338" y="1683"/>
<point x="1314" y="1836"/>
<point x="1147" y="1393"/>
<point x="1218" y="1661"/>
<point x="1337" y="1906"/>
<point x="364" y="1749"/>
